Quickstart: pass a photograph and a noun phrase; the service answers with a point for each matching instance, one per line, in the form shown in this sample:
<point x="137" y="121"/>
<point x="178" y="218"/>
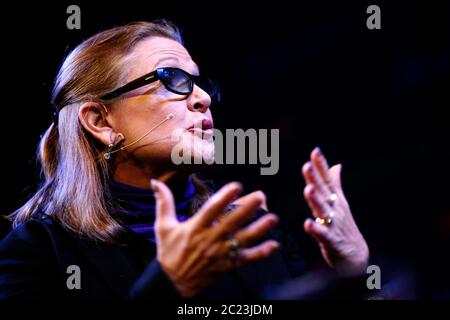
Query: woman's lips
<point x="202" y="127"/>
<point x="200" y="131"/>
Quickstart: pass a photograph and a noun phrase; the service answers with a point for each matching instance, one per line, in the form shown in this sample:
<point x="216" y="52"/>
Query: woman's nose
<point x="199" y="100"/>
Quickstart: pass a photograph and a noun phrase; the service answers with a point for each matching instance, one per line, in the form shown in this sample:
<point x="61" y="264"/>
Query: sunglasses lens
<point x="176" y="80"/>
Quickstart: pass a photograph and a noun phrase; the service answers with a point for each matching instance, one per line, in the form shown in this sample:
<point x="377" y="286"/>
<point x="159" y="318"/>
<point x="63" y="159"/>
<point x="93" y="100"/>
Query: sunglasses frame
<point x="156" y="75"/>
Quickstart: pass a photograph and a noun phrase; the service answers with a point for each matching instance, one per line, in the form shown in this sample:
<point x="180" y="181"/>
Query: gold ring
<point x="327" y="220"/>
<point x="233" y="247"/>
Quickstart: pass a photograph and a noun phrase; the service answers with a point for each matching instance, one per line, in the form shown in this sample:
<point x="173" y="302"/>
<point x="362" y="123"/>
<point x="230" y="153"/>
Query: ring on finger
<point x="328" y="220"/>
<point x="233" y="248"/>
<point x="332" y="199"/>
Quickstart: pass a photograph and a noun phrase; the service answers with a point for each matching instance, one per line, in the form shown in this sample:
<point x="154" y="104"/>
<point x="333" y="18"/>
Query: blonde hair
<point x="75" y="186"/>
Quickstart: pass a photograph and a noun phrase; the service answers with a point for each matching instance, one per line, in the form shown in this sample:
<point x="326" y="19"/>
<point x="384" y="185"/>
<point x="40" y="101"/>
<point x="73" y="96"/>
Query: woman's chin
<point x="203" y="154"/>
<point x="192" y="149"/>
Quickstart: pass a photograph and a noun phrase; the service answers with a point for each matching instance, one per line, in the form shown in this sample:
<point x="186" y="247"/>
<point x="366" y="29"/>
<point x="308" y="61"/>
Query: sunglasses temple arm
<point x="139" y="82"/>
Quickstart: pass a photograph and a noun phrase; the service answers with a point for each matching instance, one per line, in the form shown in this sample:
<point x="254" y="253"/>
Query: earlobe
<point x="115" y="140"/>
<point x="120" y="137"/>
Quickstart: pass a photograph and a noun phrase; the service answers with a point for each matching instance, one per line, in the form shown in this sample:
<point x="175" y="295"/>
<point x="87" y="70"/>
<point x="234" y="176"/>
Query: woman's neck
<point x="140" y="177"/>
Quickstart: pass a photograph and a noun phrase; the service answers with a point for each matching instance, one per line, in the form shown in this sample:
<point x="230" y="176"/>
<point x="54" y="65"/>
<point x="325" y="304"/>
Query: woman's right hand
<point x="195" y="252"/>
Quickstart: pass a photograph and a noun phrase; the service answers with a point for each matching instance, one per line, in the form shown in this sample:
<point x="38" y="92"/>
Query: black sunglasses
<point x="174" y="79"/>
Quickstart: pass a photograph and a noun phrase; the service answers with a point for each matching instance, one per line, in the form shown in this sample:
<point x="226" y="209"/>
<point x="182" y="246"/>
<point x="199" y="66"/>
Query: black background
<point x="374" y="100"/>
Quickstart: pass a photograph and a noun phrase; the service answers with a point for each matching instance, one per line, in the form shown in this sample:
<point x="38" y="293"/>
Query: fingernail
<point x="273" y="218"/>
<point x="317" y="149"/>
<point x="153" y="184"/>
<point x="238" y="186"/>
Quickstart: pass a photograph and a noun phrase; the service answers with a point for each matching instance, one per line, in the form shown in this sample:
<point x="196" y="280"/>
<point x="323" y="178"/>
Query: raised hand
<point x="341" y="243"/>
<point x="196" y="252"/>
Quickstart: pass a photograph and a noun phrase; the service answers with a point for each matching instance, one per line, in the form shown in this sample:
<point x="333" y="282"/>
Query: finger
<point x="242" y="200"/>
<point x="335" y="173"/>
<point x="165" y="205"/>
<point x="319" y="207"/>
<point x="321" y="166"/>
<point x="257" y="253"/>
<point x="236" y="218"/>
<point x="216" y="204"/>
<point x="307" y="173"/>
<point x="317" y="231"/>
<point x="313" y="177"/>
<point x="256" y="230"/>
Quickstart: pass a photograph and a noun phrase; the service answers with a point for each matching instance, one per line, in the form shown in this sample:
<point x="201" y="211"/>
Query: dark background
<point x="374" y="100"/>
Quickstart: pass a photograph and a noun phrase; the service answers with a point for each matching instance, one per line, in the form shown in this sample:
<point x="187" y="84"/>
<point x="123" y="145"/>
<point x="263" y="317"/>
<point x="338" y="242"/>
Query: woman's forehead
<point x="156" y="51"/>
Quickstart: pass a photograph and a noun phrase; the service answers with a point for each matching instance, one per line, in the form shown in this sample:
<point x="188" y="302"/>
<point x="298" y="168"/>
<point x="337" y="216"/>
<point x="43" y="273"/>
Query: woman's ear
<point x="93" y="117"/>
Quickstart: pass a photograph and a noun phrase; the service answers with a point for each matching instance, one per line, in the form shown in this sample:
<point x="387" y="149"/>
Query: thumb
<point x="335" y="173"/>
<point x="165" y="205"/>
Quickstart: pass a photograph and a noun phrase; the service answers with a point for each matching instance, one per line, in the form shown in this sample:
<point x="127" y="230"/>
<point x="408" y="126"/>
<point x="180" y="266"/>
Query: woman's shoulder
<point x="29" y="261"/>
<point x="34" y="231"/>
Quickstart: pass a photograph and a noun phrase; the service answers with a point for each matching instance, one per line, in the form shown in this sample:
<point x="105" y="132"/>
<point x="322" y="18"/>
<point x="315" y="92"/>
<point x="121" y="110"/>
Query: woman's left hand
<point x="341" y="243"/>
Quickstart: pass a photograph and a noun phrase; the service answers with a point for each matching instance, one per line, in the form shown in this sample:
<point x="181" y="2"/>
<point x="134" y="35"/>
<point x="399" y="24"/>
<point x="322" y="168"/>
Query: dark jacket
<point x="35" y="257"/>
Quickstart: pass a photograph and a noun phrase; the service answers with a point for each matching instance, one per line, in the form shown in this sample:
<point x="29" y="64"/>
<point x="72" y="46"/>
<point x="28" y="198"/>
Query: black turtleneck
<point x="137" y="205"/>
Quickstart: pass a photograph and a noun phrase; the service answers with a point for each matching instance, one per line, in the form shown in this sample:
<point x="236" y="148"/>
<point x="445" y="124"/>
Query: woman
<point x="116" y="218"/>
